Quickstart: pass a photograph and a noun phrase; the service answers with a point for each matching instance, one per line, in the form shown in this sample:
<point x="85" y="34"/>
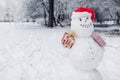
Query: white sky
<point x="14" y="7"/>
<point x="2" y="3"/>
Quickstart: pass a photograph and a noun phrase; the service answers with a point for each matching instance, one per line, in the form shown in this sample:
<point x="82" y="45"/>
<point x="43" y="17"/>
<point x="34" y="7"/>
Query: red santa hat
<point x="83" y="12"/>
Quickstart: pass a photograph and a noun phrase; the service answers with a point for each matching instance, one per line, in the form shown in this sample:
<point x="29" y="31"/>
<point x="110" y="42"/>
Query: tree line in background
<point x="34" y="10"/>
<point x="106" y="11"/>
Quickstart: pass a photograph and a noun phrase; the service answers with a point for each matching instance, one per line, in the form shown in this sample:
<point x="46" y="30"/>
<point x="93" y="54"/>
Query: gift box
<point x="68" y="39"/>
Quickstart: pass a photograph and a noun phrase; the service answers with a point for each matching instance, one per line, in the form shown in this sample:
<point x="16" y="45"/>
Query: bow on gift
<point x="68" y="39"/>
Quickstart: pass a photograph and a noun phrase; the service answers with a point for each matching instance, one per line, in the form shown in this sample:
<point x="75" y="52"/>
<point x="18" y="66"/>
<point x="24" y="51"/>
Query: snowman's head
<point x="82" y="22"/>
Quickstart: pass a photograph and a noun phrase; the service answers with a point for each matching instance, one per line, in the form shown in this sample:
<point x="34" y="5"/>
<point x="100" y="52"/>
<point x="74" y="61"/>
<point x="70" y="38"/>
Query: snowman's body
<point x="85" y="54"/>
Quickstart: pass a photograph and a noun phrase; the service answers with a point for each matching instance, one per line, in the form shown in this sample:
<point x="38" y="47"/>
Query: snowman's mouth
<point x="86" y="25"/>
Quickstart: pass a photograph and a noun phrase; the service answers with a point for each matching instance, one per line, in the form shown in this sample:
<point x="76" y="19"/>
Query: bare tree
<point x="51" y="13"/>
<point x="118" y="17"/>
<point x="118" y="2"/>
<point x="33" y="9"/>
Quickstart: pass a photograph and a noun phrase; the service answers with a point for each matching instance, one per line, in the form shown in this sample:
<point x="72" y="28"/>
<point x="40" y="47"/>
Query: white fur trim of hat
<point x="76" y="15"/>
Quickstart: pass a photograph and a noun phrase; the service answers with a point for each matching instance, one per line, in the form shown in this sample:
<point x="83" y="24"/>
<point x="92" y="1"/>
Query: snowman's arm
<point x="98" y="39"/>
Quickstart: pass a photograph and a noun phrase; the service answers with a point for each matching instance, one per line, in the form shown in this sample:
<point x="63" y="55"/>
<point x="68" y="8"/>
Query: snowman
<point x="88" y="47"/>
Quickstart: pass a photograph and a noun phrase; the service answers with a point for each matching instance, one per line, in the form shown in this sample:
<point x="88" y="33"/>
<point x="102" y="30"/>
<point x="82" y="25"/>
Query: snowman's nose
<point x="85" y="20"/>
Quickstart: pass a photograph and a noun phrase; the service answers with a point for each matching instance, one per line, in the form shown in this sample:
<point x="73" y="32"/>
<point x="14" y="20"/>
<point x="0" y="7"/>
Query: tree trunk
<point x="45" y="15"/>
<point x="118" y="20"/>
<point x="51" y="13"/>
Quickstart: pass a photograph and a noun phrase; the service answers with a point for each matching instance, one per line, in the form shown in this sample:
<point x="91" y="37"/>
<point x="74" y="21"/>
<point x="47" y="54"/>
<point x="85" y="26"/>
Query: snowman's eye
<point x="80" y="19"/>
<point x="87" y="18"/>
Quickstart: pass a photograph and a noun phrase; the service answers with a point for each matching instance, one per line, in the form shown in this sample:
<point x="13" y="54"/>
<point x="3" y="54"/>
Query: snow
<point x="33" y="52"/>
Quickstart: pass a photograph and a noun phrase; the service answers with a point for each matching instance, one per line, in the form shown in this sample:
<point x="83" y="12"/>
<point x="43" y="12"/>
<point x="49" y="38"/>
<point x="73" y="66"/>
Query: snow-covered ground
<point x="32" y="52"/>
